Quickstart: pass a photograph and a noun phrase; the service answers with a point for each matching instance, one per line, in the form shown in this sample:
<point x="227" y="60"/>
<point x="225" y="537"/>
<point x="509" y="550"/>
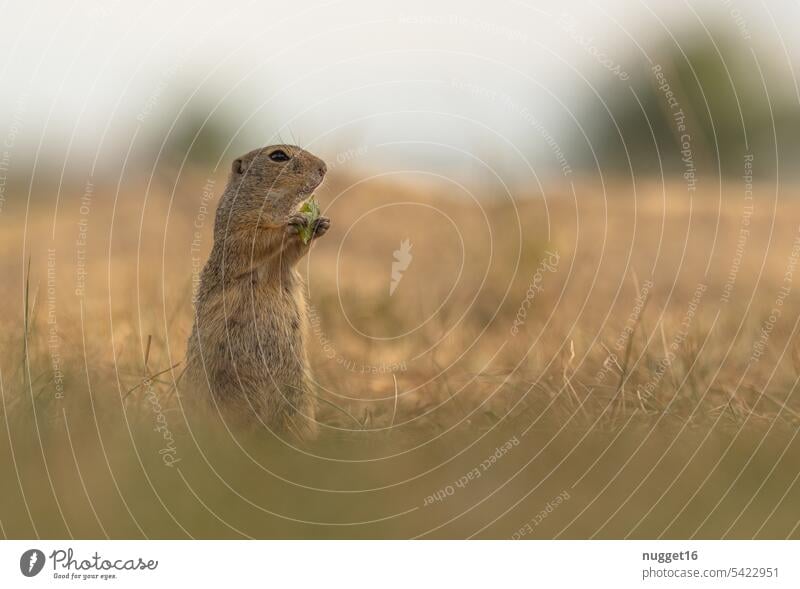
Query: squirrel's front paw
<point x="296" y="223"/>
<point x="321" y="226"/>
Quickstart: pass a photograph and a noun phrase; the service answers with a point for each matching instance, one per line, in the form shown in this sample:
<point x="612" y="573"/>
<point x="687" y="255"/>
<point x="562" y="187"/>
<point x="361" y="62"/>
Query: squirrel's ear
<point x="237" y="167"/>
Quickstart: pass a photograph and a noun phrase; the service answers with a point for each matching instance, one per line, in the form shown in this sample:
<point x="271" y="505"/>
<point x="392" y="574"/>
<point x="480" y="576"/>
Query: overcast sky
<point x="440" y="77"/>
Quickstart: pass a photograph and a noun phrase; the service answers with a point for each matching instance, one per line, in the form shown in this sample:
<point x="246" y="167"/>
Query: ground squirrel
<point x="246" y="353"/>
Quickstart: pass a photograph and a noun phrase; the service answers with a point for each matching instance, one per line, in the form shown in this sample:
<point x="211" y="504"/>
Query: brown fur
<point x="246" y="354"/>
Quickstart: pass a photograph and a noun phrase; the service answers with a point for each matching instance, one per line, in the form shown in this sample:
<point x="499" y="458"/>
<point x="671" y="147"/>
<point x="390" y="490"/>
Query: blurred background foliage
<point x="734" y="103"/>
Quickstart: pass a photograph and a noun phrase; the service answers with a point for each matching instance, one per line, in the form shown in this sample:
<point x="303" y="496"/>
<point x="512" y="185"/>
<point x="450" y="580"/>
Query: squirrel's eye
<point x="279" y="156"/>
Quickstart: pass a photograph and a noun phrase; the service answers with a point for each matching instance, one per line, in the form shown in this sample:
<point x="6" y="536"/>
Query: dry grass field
<point x="615" y="361"/>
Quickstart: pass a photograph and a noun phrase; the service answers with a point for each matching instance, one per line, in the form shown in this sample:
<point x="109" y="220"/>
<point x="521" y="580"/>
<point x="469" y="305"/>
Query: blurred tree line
<point x="716" y="96"/>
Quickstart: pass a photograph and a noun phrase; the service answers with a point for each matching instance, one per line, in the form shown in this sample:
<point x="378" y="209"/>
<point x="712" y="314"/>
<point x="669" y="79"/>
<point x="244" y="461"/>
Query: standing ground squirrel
<point x="246" y="353"/>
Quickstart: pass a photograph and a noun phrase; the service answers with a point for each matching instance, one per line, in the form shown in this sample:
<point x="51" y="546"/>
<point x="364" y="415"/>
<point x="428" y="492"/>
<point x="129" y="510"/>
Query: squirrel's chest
<point x="279" y="313"/>
<point x="267" y="335"/>
<point x="256" y="314"/>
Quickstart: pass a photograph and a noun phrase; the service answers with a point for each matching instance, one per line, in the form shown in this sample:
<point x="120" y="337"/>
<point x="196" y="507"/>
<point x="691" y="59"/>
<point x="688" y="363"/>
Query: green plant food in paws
<point x="310" y="209"/>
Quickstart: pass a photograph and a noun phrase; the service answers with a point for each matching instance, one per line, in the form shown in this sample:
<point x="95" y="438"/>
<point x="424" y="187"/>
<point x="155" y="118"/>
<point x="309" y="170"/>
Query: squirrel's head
<point x="272" y="181"/>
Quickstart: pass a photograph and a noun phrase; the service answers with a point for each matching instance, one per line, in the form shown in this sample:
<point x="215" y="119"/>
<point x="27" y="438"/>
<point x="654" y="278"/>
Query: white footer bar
<point x="332" y="564"/>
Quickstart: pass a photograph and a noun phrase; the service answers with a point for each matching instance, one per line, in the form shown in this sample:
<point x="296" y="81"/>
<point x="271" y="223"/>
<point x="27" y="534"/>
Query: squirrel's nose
<point x="322" y="168"/>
